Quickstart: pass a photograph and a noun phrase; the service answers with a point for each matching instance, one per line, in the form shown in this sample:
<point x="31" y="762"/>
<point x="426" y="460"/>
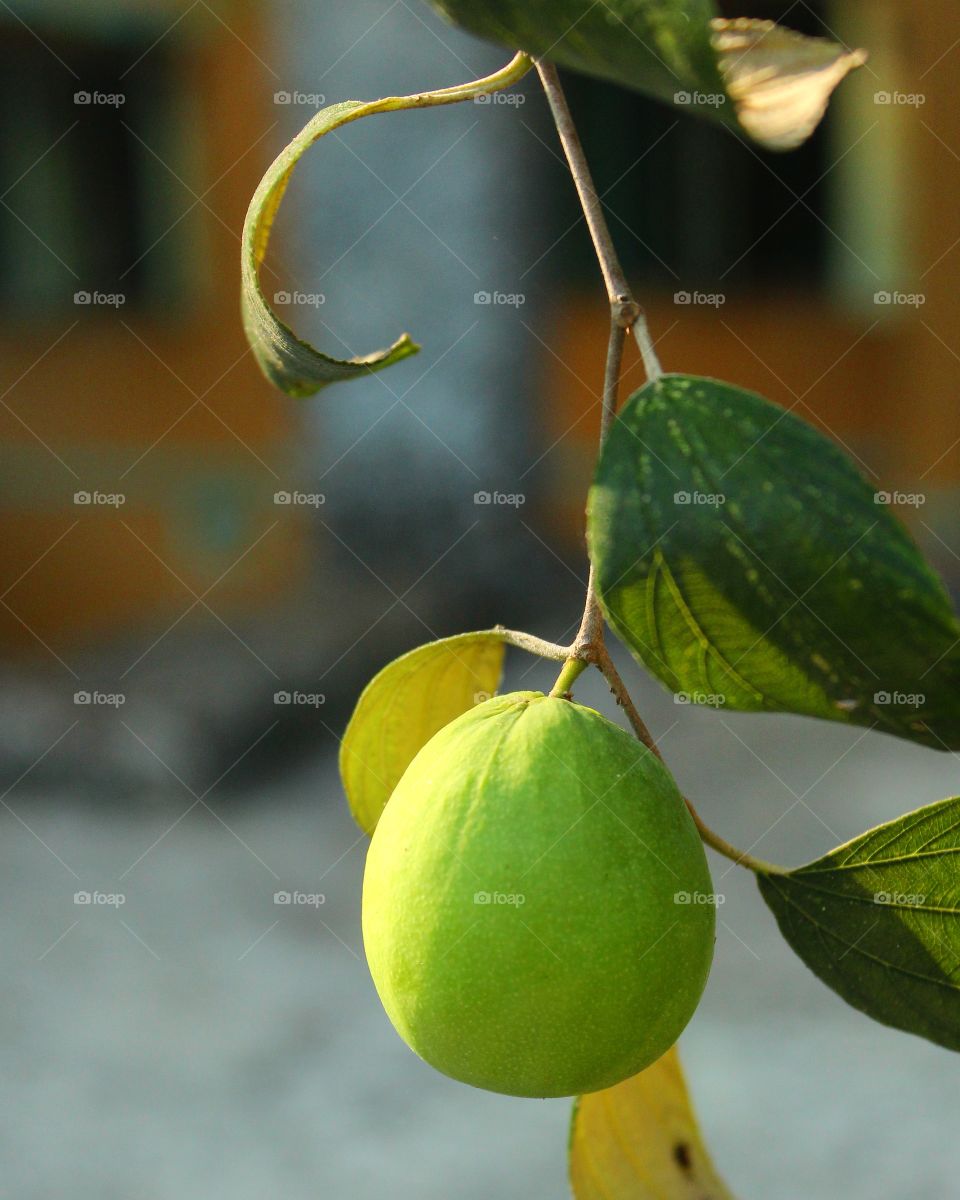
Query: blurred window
<point x="702" y="206"/>
<point x="82" y="198"/>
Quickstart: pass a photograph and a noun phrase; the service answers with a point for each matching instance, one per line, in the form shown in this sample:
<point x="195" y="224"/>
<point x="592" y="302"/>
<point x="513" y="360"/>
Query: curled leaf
<point x="640" y="1141"/>
<point x="403" y="706"/>
<point x="878" y="921"/>
<point x="291" y="364"/>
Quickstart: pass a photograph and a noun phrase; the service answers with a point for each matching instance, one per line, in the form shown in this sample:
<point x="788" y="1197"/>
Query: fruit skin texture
<point x="581" y="968"/>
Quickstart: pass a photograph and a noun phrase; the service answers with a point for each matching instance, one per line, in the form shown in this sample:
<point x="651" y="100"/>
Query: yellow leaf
<point x="640" y="1141"/>
<point x="404" y="706"/>
<point x="780" y="81"/>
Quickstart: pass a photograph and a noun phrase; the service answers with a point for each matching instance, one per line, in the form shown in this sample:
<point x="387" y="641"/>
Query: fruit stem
<point x="572" y="669"/>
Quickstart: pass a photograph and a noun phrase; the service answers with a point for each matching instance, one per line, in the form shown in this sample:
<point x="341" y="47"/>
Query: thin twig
<point x="534" y="645"/>
<point x="618" y="290"/>
<point x="625" y="314"/>
<point x="619" y="689"/>
<point x="591" y="627"/>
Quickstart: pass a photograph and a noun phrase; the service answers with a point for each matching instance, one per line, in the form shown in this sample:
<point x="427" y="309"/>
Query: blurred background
<point x="199" y="575"/>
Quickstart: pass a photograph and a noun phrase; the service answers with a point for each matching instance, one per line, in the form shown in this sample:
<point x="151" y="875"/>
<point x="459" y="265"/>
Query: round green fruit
<point x="537" y="907"/>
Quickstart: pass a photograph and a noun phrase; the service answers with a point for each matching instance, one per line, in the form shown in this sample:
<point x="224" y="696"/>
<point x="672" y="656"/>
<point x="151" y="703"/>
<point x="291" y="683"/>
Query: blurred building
<point x="140" y="453"/>
<point x="826" y="280"/>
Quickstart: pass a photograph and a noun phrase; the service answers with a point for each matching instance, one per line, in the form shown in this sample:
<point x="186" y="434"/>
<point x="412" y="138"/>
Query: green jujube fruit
<point x="537" y="908"/>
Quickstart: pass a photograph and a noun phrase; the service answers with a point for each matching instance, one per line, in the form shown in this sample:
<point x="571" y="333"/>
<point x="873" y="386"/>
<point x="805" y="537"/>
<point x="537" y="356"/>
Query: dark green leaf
<point x="774" y="82"/>
<point x="877" y="921"/>
<point x="746" y="563"/>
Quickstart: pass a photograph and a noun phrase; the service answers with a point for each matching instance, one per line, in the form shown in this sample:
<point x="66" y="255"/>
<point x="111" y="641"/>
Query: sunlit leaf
<point x="772" y="82"/>
<point x="780" y="81"/>
<point x="746" y="562"/>
<point x="640" y="1141"/>
<point x="404" y="706"/>
<point x="878" y="920"/>
<point x="290" y="363"/>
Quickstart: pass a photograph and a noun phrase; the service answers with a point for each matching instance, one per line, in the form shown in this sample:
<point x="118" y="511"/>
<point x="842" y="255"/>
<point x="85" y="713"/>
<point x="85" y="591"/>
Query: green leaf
<point x="746" y="563"/>
<point x="877" y="921"/>
<point x="640" y="1141"/>
<point x="289" y="363"/>
<point x="773" y="82"/>
<point x="403" y="706"/>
